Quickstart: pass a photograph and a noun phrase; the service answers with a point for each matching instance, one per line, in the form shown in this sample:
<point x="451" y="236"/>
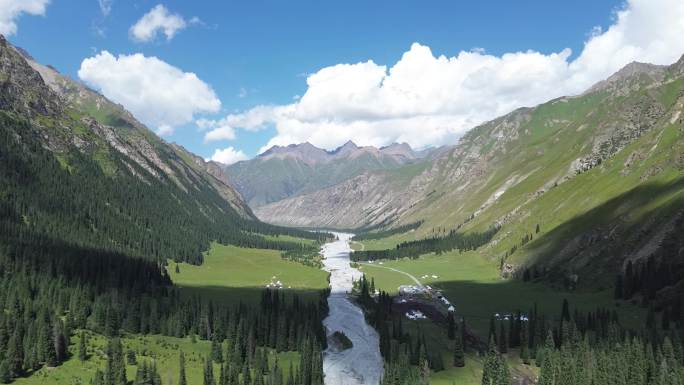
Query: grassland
<point x="163" y="350"/>
<point x="472" y="284"/>
<point x="234" y="274"/>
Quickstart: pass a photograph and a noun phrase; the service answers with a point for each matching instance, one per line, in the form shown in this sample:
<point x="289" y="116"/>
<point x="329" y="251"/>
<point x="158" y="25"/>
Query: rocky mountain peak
<point x="399" y="149"/>
<point x="22" y="90"/>
<point x="629" y="74"/>
<point x="306" y="152"/>
<point x="346" y="149"/>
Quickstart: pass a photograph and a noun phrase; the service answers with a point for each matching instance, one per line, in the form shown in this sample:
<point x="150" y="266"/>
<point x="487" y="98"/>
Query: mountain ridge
<point x="284" y="171"/>
<point x="81" y="170"/>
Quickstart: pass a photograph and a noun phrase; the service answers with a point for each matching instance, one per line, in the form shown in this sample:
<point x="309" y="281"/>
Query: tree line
<point x="441" y="244"/>
<point x="370" y="235"/>
<point x="240" y="345"/>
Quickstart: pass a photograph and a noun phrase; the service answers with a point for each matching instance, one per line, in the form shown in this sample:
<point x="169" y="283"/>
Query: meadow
<point x="233" y="274"/>
<point x="164" y="351"/>
<point x="472" y="284"/>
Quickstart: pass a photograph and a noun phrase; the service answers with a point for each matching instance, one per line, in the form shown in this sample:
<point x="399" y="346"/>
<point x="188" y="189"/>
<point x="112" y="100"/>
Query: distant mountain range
<point x="602" y="174"/>
<point x="282" y="172"/>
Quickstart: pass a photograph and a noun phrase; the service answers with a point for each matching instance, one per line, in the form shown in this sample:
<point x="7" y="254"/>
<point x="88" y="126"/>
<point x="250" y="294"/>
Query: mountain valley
<point x="449" y="219"/>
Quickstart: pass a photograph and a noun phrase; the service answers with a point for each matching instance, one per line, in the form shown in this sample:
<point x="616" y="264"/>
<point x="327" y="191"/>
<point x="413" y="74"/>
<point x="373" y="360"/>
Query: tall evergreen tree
<point x="82" y="347"/>
<point x="209" y="372"/>
<point x="115" y="373"/>
<point x="182" y="380"/>
<point x="459" y="356"/>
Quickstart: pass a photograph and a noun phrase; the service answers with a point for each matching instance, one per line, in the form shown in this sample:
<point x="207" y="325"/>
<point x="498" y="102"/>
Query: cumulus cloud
<point x="424" y="99"/>
<point x="218" y="130"/>
<point x="228" y="156"/>
<point x="10" y="10"/>
<point x="157" y="20"/>
<point x="157" y="93"/>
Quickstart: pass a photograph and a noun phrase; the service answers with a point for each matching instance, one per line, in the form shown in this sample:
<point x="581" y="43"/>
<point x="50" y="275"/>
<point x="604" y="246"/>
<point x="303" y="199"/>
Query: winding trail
<point x="362" y="364"/>
<point x="396" y="271"/>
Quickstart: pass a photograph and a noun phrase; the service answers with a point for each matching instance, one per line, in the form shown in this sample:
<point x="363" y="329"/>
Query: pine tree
<point x="451" y="326"/>
<point x="209" y="372"/>
<point x="524" y="343"/>
<point x="503" y="339"/>
<point x="459" y="356"/>
<point x="15" y="353"/>
<point x="115" y="372"/>
<point x="246" y="378"/>
<point x="216" y="350"/>
<point x="463" y="335"/>
<point x="565" y="313"/>
<point x="181" y="364"/>
<point x="5" y="375"/>
<point x="490" y="370"/>
<point x="82" y="350"/>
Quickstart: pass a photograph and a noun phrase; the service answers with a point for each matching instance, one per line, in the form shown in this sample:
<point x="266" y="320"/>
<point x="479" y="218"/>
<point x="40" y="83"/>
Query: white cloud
<point x="158" y="94"/>
<point x="157" y="20"/>
<point x="425" y="99"/>
<point x="228" y="155"/>
<point x="105" y="6"/>
<point x="220" y="133"/>
<point x="10" y="10"/>
<point x="217" y="130"/>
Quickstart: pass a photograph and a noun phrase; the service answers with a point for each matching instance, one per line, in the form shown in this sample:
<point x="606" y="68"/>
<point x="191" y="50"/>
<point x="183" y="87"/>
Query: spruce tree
<point x="459" y="356"/>
<point x="503" y="339"/>
<point x="464" y="335"/>
<point x="115" y="373"/>
<point x="15" y="353"/>
<point x="82" y="350"/>
<point x="451" y="326"/>
<point x="5" y="375"/>
<point x="246" y="378"/>
<point x="209" y="372"/>
<point x="181" y="364"/>
<point x="216" y="349"/>
<point x="524" y="343"/>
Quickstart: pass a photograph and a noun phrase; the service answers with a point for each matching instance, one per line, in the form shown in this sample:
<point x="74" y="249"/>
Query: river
<point x="362" y="364"/>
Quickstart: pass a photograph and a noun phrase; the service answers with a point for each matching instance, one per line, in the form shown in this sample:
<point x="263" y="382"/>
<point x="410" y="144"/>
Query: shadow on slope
<point x="596" y="244"/>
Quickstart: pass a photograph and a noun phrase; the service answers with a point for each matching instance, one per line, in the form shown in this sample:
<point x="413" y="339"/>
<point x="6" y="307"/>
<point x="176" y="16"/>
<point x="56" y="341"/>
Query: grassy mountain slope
<point x="599" y="172"/>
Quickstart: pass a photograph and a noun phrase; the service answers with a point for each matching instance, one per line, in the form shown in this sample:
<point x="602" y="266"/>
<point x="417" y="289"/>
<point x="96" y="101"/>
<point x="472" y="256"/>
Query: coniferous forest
<point x="82" y="251"/>
<point x="85" y="234"/>
<point x="437" y="244"/>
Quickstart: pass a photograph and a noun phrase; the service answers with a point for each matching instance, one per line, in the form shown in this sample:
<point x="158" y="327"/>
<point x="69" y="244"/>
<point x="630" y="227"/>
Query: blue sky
<point x="254" y="53"/>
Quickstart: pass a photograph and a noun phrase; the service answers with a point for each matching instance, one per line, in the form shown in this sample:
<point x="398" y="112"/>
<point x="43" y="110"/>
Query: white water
<point x="362" y="364"/>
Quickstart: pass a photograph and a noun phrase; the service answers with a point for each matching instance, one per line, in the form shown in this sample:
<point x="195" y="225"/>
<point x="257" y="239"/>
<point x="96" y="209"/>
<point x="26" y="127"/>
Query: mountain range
<point x="599" y="173"/>
<point x="285" y="171"/>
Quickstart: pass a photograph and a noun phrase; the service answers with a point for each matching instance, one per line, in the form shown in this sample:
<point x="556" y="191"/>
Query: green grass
<point x="289" y="238"/>
<point x="164" y="350"/>
<point x="234" y="274"/>
<point x="473" y="286"/>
